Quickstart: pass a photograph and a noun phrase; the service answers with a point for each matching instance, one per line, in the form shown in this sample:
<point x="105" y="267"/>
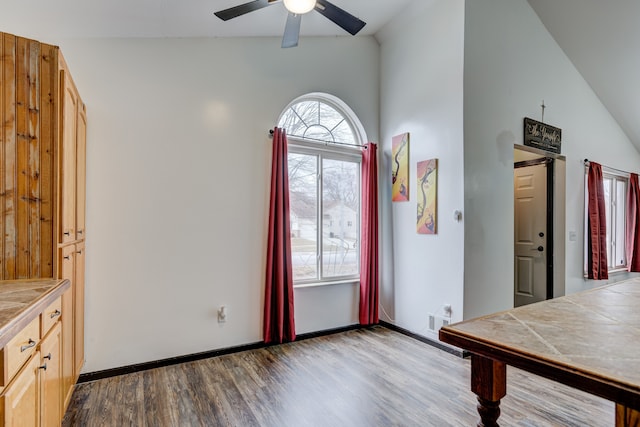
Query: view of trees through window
<point x="317" y="121"/>
<point x="330" y="244"/>
<point x="324" y="192"/>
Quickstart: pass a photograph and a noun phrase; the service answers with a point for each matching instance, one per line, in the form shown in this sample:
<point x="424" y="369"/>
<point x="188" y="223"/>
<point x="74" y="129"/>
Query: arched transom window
<point x="322" y="117"/>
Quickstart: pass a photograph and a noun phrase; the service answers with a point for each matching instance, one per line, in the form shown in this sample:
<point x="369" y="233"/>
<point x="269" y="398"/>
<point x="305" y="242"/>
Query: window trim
<point x="332" y="152"/>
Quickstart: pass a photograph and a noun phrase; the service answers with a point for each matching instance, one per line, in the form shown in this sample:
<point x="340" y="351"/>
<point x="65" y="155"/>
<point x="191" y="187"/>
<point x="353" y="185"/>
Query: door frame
<point x="550" y="168"/>
<point x="556" y="218"/>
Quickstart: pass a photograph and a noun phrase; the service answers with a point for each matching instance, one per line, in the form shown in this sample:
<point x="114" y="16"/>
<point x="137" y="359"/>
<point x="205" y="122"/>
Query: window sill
<point x="611" y="272"/>
<point x="332" y="283"/>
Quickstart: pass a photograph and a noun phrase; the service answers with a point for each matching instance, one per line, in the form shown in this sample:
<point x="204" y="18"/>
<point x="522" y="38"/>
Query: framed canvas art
<point x="400" y="168"/>
<point x="427" y="218"/>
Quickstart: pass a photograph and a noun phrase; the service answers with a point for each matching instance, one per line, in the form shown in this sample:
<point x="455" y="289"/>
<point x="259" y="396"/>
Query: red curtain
<point x="279" y="323"/>
<point x="369" y="237"/>
<point x="632" y="231"/>
<point x="597" y="236"/>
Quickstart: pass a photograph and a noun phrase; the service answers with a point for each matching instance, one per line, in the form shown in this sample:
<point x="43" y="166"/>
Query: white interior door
<point x="530" y="234"/>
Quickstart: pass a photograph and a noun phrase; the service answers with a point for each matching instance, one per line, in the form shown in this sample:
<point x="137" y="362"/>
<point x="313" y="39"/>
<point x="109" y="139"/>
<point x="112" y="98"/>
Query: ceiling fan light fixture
<point x="299" y="7"/>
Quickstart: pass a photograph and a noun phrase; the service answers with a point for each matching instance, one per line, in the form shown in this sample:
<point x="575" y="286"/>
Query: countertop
<point x="23" y="300"/>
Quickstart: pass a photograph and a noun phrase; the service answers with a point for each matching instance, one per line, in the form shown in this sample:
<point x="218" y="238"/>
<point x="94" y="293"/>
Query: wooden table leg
<point x="489" y="383"/>
<point x="627" y="417"/>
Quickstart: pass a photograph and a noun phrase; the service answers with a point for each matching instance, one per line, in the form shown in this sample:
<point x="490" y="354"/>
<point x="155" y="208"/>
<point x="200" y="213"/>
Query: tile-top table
<point x="589" y="341"/>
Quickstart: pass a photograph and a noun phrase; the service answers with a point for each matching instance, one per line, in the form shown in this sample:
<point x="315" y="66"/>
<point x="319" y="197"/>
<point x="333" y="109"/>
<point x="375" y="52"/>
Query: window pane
<point x="609" y="223"/>
<point x="343" y="133"/>
<point x="621" y="208"/>
<point x="292" y="124"/>
<point x="320" y="133"/>
<point x="303" y="195"/>
<point x="340" y="219"/>
<point x="330" y="117"/>
<point x="308" y="111"/>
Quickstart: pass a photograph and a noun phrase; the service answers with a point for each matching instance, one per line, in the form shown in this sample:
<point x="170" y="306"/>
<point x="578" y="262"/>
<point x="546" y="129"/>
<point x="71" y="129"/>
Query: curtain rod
<point x="325" y="142"/>
<point x="586" y="163"/>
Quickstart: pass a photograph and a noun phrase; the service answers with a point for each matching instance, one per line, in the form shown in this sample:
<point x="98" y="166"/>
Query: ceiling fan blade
<point x="291" y="31"/>
<point x="234" y="12"/>
<point x="341" y="17"/>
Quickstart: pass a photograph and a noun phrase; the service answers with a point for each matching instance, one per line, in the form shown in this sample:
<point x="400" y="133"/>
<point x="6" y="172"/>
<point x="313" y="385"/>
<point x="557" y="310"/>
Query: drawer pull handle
<point x="56" y="314"/>
<point x="48" y="357"/>
<point x="79" y="252"/>
<point x="31" y="343"/>
<point x="67" y="233"/>
<point x="67" y="257"/>
<point x="43" y="367"/>
<point x="80" y="231"/>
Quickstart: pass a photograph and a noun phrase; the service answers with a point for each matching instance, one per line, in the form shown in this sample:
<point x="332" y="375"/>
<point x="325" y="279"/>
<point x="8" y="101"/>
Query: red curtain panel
<point x="279" y="325"/>
<point x="632" y="231"/>
<point x="597" y="266"/>
<point x="369" y="238"/>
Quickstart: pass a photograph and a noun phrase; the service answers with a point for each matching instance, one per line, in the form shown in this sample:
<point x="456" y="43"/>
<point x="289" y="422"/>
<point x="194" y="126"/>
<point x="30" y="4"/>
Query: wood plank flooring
<point x="366" y="377"/>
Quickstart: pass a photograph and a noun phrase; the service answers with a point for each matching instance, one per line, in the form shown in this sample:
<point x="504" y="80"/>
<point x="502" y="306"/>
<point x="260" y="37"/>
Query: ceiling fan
<point x="296" y="9"/>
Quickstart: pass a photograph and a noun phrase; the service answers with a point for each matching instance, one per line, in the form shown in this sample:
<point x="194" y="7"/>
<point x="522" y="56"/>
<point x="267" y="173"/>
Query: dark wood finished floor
<point x="368" y="377"/>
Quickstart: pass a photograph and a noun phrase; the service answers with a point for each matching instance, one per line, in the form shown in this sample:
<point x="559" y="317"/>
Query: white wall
<point x="511" y="65"/>
<point x="421" y="62"/>
<point x="177" y="182"/>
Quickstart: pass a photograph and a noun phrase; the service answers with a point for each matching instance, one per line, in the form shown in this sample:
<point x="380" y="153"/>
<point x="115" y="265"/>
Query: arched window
<point x="324" y="188"/>
<point x="322" y="117"/>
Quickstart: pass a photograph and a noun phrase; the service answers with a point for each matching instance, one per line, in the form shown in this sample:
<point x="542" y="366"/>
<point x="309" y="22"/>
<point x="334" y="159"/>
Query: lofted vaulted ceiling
<point x="601" y="38"/>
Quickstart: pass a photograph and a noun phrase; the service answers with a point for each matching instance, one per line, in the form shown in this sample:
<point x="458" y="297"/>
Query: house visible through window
<point x="324" y="189"/>
<point x="615" y="199"/>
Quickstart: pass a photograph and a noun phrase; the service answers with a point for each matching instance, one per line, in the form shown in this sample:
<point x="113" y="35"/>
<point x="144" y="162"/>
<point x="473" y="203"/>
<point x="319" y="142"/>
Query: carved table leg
<point x="489" y="383"/>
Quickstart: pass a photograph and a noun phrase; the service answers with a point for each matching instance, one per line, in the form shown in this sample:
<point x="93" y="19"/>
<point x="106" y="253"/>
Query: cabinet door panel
<point x="20" y="399"/>
<point x="67" y="271"/>
<point x="78" y="313"/>
<point x="50" y="379"/>
<point x="81" y="140"/>
<point x="68" y="160"/>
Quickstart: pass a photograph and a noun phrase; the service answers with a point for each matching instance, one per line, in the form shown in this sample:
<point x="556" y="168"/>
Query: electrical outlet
<point x="437" y="322"/>
<point x="222" y="314"/>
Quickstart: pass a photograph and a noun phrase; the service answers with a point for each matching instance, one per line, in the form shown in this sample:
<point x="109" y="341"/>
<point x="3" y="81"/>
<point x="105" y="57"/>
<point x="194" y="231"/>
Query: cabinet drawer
<point x="19" y="349"/>
<point x="50" y="316"/>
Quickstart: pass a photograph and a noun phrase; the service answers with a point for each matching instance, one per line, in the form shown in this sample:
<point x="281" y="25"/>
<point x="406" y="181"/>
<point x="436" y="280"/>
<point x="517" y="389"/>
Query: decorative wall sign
<point x="427" y="197"/>
<point x="400" y="168"/>
<point x="542" y="136"/>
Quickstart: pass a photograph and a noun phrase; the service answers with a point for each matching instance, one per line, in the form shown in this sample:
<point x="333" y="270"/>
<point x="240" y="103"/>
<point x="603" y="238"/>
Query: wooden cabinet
<point x="67" y="171"/>
<point x="72" y="170"/>
<point x="78" y="308"/>
<point x="71" y="228"/>
<point x="31" y="391"/>
<point x="72" y="268"/>
<point x="81" y="171"/>
<point x="42" y="182"/>
<point x="51" y="403"/>
<point x="19" y="402"/>
<point x="18" y="350"/>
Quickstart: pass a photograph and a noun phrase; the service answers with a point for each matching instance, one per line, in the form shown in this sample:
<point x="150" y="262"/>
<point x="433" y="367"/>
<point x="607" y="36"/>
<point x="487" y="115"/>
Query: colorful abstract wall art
<point x="400" y="168"/>
<point x="427" y="197"/>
